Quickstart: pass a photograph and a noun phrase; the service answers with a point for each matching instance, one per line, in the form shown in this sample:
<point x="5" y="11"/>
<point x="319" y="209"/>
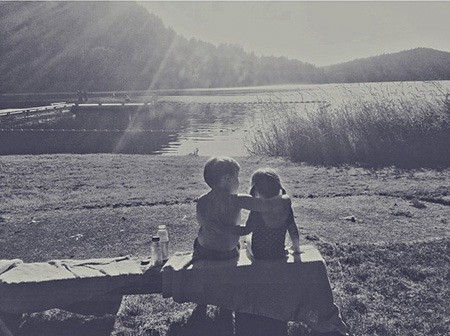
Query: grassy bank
<point x="376" y="129"/>
<point x="388" y="268"/>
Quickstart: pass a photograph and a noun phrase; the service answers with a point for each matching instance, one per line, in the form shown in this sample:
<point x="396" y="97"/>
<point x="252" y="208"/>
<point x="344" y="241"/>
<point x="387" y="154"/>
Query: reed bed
<point x="369" y="126"/>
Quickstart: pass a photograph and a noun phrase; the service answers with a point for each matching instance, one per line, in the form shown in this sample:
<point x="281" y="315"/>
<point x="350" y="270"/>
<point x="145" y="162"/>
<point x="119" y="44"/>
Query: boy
<point x="219" y="210"/>
<point x="219" y="217"/>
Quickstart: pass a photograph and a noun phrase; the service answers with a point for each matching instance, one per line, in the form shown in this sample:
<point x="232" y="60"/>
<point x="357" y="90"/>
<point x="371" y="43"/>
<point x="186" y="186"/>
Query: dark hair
<point x="267" y="182"/>
<point x="217" y="167"/>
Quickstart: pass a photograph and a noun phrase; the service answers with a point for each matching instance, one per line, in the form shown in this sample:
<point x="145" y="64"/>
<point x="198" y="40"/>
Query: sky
<point x="317" y="32"/>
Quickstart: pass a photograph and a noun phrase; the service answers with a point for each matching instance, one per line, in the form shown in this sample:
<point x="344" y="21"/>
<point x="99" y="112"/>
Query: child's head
<point x="222" y="172"/>
<point x="266" y="183"/>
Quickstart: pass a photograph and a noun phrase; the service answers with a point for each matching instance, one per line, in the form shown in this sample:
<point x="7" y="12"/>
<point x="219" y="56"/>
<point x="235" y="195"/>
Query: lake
<point x="227" y="127"/>
<point x="203" y="122"/>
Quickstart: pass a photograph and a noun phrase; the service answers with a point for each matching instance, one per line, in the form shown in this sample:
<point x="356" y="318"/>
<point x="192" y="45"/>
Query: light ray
<point x="134" y="121"/>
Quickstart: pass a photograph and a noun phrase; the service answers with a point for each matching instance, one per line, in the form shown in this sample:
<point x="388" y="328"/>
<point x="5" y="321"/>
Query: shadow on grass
<point x="57" y="322"/>
<point x="217" y="323"/>
<point x="214" y="322"/>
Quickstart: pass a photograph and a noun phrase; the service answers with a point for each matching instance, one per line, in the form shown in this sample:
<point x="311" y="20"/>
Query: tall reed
<point x="406" y="130"/>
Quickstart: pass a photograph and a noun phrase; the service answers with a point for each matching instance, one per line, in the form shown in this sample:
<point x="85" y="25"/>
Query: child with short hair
<point x="219" y="215"/>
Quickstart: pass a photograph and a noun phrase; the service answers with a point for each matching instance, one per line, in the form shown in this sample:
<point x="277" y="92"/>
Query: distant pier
<point x="31" y="116"/>
<point x="34" y="115"/>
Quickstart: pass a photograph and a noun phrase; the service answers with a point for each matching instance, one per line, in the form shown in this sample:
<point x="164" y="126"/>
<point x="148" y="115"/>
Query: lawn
<point x="388" y="267"/>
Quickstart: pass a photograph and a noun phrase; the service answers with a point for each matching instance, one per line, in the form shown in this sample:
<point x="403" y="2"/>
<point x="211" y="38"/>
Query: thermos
<point x="155" y="251"/>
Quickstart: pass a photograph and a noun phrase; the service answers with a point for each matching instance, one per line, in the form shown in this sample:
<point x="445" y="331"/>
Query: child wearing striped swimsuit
<point x="269" y="230"/>
<point x="268" y="242"/>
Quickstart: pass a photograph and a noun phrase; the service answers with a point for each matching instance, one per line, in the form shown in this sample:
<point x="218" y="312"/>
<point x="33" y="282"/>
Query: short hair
<point x="217" y="167"/>
<point x="267" y="182"/>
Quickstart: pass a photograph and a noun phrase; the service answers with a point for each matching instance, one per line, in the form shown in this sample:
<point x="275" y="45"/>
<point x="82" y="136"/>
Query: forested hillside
<point x="409" y="65"/>
<point x="98" y="46"/>
<point x="114" y="46"/>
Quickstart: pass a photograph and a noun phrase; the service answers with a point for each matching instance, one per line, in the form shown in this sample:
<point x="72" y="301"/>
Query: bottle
<point x="164" y="241"/>
<point x="155" y="251"/>
<point x="242" y="242"/>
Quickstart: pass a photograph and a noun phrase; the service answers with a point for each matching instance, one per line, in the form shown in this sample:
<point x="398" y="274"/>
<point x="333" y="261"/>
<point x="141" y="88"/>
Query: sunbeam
<point x="134" y="122"/>
<point x="69" y="42"/>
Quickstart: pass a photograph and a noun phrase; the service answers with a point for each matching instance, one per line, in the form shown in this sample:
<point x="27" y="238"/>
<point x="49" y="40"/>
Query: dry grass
<point x="389" y="267"/>
<point x="376" y="128"/>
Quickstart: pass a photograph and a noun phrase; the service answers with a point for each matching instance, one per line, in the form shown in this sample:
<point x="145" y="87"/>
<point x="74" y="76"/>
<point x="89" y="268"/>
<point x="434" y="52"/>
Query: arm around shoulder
<point x="276" y="203"/>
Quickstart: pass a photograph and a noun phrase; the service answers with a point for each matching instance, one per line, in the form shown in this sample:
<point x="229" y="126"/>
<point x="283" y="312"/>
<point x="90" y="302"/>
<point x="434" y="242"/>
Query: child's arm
<point x="234" y="229"/>
<point x="293" y="233"/>
<point x="250" y="222"/>
<point x="237" y="229"/>
<point x="277" y="203"/>
<point x="227" y="222"/>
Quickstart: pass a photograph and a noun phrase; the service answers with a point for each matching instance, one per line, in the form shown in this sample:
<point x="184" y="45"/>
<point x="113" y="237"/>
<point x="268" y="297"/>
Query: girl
<point x="269" y="230"/>
<point x="268" y="238"/>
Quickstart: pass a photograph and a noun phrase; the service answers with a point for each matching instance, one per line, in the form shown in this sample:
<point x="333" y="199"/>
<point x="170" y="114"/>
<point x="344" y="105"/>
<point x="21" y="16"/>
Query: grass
<point x="377" y="128"/>
<point x="382" y="289"/>
<point x="388" y="267"/>
<point x="393" y="289"/>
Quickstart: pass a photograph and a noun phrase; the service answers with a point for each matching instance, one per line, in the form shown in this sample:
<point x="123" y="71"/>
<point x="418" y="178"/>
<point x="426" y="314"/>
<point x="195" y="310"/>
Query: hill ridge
<point x="119" y="46"/>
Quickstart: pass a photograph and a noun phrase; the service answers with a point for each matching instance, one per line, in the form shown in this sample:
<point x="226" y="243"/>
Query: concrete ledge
<point x="31" y="287"/>
<point x="287" y="289"/>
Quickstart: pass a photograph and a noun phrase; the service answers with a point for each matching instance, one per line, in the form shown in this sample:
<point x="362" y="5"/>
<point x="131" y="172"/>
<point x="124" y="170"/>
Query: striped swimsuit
<point x="267" y="242"/>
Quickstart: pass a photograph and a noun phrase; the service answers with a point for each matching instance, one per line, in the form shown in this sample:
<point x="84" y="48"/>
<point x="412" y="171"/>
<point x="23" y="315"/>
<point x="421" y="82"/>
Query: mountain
<point x="106" y="46"/>
<point x="119" y="46"/>
<point x="54" y="46"/>
<point x="410" y="65"/>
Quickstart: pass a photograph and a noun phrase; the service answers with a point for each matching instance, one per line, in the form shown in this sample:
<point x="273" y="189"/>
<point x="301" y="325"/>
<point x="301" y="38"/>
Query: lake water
<point x="223" y="130"/>
<point x="232" y="125"/>
<point x="214" y="122"/>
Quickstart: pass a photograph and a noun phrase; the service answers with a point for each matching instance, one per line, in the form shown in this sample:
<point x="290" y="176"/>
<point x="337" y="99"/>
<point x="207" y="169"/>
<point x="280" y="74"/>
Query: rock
<point x="350" y="218"/>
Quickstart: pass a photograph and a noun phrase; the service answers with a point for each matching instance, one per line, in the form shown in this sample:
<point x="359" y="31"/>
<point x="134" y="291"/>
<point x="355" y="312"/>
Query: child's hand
<point x="295" y="249"/>
<point x="250" y="225"/>
<point x="286" y="199"/>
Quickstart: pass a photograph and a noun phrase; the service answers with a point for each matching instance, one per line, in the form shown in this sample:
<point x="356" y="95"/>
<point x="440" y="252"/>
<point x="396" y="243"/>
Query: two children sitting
<point x="219" y="214"/>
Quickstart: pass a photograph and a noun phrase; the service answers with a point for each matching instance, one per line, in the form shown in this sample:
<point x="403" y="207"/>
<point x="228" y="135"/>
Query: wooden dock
<point x="24" y="116"/>
<point x="17" y="118"/>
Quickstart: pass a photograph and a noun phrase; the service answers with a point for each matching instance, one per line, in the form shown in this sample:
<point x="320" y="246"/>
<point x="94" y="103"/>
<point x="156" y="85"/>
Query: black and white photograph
<point x="224" y="168"/>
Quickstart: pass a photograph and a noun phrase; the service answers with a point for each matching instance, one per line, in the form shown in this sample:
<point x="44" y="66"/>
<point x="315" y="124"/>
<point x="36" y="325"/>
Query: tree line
<point x="116" y="46"/>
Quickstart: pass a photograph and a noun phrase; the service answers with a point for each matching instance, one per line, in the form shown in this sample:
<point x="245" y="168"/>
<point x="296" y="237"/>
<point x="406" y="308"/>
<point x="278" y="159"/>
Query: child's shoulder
<point x="218" y="199"/>
<point x="214" y="196"/>
<point x="203" y="199"/>
<point x="218" y="194"/>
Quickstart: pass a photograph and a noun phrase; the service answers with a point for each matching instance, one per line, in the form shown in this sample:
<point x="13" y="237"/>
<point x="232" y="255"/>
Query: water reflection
<point x="82" y="142"/>
<point x="165" y="128"/>
<point x="214" y="129"/>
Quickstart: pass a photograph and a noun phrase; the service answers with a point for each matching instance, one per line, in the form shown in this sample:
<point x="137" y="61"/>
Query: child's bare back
<point x="216" y="211"/>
